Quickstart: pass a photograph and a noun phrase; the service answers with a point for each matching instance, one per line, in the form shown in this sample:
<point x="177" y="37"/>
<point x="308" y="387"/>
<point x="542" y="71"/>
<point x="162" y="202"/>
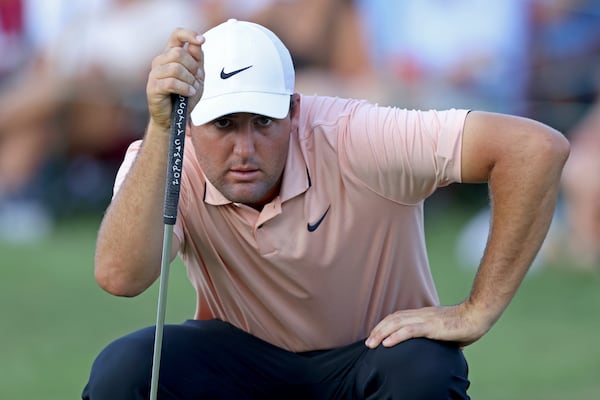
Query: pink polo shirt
<point x="343" y="244"/>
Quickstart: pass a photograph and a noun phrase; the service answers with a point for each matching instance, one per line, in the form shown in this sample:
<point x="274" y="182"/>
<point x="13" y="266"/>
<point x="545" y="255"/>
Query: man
<point x="301" y="227"/>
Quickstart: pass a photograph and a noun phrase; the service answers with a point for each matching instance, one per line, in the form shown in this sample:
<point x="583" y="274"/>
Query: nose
<point x="244" y="142"/>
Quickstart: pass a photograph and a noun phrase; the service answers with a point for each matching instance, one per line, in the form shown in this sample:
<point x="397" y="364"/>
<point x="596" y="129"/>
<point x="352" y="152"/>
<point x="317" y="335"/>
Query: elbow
<point x="110" y="275"/>
<point x="541" y="148"/>
<point x="554" y="148"/>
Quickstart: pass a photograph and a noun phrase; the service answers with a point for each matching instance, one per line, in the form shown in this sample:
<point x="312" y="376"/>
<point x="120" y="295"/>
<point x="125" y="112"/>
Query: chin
<point x="243" y="196"/>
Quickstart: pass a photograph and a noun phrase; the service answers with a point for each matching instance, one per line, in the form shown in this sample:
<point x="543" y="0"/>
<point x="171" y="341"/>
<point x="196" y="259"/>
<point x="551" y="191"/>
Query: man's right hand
<point x="177" y="70"/>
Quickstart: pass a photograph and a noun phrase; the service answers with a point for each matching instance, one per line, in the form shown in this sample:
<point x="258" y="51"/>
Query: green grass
<point x="55" y="320"/>
<point x="544" y="345"/>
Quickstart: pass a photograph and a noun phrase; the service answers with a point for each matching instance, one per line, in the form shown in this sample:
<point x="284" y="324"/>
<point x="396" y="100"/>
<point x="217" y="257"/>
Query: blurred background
<point x="72" y="97"/>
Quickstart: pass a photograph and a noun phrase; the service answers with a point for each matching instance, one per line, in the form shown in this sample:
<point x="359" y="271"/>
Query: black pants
<point x="215" y="360"/>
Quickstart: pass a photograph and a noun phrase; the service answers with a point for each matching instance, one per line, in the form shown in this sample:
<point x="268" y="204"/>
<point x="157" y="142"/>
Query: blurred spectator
<point x="460" y="53"/>
<point x="27" y="26"/>
<point x="565" y="55"/>
<point x="581" y="188"/>
<point x="80" y="97"/>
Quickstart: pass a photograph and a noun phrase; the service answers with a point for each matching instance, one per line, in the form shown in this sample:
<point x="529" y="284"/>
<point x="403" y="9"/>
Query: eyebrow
<point x="236" y="115"/>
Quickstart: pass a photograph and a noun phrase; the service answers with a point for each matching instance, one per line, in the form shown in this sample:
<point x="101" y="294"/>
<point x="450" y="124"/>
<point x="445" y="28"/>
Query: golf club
<point x="172" y="186"/>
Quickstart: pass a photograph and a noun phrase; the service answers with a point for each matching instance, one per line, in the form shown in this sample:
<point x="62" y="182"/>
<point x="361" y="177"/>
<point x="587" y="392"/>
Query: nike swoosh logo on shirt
<point x="313" y="227"/>
<point x="227" y="75"/>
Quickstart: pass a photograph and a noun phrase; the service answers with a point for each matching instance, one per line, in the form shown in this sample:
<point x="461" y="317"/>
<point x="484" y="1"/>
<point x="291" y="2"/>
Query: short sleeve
<point x="404" y="155"/>
<point x="128" y="160"/>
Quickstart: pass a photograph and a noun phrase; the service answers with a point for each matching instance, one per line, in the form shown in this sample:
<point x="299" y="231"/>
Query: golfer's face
<point x="243" y="155"/>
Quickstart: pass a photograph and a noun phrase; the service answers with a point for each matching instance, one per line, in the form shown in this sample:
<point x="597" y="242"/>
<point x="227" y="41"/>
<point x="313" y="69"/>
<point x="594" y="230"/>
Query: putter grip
<point x="175" y="161"/>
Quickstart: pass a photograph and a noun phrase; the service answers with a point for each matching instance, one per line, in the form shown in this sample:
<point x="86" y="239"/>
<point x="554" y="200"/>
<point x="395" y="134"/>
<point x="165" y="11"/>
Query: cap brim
<point x="267" y="104"/>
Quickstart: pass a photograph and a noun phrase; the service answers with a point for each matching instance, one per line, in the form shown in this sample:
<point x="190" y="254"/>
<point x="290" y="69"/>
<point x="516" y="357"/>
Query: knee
<point x="417" y="369"/>
<point x="123" y="369"/>
<point x="191" y="352"/>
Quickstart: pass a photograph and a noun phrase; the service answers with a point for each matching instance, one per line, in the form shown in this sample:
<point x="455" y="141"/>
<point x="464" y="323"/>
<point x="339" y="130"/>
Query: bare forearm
<point x="524" y="189"/>
<point x="128" y="250"/>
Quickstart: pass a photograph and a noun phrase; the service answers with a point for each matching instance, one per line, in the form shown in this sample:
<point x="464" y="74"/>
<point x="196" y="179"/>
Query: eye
<point x="264" y="121"/>
<point x="222" y="123"/>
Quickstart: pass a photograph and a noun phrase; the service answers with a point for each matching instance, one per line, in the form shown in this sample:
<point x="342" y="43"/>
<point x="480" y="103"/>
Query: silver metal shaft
<point x="161" y="309"/>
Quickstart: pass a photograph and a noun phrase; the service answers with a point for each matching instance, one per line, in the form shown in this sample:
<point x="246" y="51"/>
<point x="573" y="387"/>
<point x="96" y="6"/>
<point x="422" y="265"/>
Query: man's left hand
<point x="456" y="324"/>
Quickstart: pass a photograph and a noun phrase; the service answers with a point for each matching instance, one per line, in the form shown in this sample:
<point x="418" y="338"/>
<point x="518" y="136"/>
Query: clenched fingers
<point x="175" y="71"/>
<point x="178" y="70"/>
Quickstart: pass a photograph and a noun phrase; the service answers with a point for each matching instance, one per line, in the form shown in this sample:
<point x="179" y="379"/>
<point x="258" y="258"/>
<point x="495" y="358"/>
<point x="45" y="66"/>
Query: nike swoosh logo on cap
<point x="313" y="227"/>
<point x="227" y="75"/>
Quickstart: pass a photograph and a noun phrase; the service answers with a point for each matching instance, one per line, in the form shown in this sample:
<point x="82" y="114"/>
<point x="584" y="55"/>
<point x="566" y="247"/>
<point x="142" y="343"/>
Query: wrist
<point x="158" y="129"/>
<point x="480" y="313"/>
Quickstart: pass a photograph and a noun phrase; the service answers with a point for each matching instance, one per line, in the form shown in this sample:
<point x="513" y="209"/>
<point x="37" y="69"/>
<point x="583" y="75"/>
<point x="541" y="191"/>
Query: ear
<point x="295" y="107"/>
<point x="294" y="112"/>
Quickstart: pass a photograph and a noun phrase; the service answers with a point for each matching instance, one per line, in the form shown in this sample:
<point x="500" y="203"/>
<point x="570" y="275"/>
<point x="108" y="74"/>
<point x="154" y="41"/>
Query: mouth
<point x="243" y="174"/>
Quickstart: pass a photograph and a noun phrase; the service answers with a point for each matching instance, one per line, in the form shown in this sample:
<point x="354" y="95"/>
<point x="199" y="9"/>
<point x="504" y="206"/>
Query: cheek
<point x="278" y="153"/>
<point x="208" y="155"/>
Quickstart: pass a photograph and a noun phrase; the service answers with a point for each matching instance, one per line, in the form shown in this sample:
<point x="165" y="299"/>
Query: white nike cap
<point x="247" y="69"/>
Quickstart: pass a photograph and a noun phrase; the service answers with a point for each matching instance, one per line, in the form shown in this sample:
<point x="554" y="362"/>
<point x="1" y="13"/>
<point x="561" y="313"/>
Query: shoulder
<point x="324" y="110"/>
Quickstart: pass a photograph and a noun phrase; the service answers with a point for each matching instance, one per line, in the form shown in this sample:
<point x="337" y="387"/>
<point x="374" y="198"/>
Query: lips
<point x="244" y="174"/>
